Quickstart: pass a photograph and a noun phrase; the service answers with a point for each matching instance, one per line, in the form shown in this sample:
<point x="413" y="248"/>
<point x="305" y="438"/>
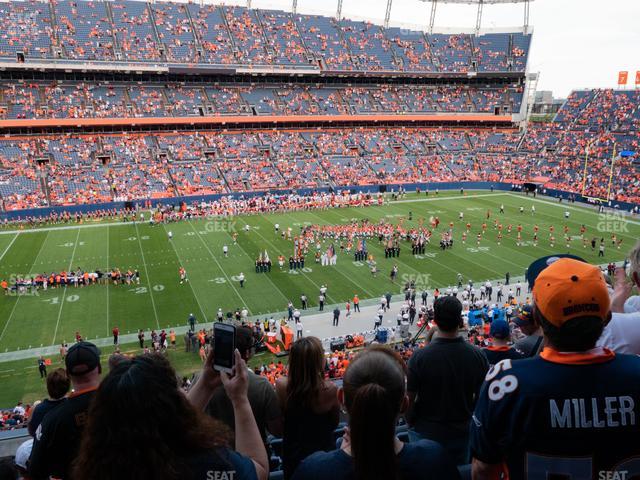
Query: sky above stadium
<point x="577" y="43"/>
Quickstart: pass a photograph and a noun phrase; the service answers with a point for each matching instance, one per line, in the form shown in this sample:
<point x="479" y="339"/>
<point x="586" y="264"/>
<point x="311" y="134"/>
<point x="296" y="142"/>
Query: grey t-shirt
<point x="262" y="398"/>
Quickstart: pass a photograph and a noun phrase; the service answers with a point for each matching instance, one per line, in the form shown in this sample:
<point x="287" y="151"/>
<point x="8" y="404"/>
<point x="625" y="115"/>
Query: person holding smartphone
<point x="261" y="395"/>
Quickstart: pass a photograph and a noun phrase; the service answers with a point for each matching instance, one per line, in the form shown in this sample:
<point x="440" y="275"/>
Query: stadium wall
<point x="373" y="189"/>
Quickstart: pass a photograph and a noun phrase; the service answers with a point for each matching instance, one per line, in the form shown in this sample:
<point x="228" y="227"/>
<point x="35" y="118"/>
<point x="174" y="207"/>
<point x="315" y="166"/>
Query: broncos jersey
<point x="569" y="416"/>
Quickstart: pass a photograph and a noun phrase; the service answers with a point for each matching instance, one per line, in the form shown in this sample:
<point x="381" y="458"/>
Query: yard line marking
<point x="7" y="249"/>
<point x="511" y="248"/>
<point x="64" y="292"/>
<point x="219" y="266"/>
<point x="435" y="261"/>
<point x="447" y="197"/>
<point x="146" y="273"/>
<point x="204" y="315"/>
<point x="580" y="207"/>
<point x="485" y="239"/>
<point x="359" y="287"/>
<point x="280" y="251"/>
<point x="18" y="299"/>
<point x="267" y="276"/>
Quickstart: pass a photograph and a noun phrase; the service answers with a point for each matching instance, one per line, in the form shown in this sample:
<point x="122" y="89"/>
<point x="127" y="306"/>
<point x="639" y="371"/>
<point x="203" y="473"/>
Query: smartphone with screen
<point x="224" y="346"/>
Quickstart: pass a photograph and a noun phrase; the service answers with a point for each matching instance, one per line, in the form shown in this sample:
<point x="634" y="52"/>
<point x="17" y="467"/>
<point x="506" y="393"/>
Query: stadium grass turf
<point x="160" y="301"/>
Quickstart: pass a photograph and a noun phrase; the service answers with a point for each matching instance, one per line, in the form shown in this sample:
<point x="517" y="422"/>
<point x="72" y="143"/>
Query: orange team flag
<point x="623" y="77"/>
<point x="638" y="78"/>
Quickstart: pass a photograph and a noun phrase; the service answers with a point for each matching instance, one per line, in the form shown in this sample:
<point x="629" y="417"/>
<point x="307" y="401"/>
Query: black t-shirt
<point x="57" y="438"/>
<point x="423" y="460"/>
<point x="496" y="354"/>
<point x="446" y="375"/>
<point x="262" y="398"/>
<point x="40" y="411"/>
<point x="305" y="432"/>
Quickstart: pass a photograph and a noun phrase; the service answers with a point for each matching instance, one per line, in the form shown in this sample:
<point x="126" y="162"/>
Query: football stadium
<point x="309" y="240"/>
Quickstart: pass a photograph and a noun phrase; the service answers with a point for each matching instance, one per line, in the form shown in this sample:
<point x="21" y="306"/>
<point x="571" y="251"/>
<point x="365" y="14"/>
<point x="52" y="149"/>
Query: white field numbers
<point x="303" y="270"/>
<point x="478" y="249"/>
<point x="71" y="244"/>
<point x="143" y="290"/>
<point x="74" y="298"/>
<point x="56" y="300"/>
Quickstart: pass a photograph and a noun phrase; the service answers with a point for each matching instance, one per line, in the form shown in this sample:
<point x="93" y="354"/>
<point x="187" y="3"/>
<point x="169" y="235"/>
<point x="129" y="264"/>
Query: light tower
<point x="480" y="6"/>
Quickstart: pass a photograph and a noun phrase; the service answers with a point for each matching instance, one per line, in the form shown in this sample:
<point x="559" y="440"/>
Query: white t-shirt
<point x="622" y="333"/>
<point x="632" y="304"/>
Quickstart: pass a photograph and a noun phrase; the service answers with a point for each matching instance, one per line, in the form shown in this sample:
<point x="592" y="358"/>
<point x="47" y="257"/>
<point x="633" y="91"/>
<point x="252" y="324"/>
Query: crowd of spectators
<point x="104" y="100"/>
<point x="588" y="127"/>
<point x="82" y="169"/>
<point x="25" y="27"/>
<point x="232" y="35"/>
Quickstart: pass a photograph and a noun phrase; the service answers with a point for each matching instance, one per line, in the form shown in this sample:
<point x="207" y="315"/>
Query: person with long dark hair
<point x="374" y="395"/>
<point x="141" y="425"/>
<point x="309" y="402"/>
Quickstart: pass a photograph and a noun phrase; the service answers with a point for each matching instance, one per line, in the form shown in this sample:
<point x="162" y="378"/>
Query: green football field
<point x="160" y="301"/>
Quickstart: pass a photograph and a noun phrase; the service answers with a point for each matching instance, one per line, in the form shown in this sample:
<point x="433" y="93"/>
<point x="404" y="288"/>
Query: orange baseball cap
<point x="569" y="289"/>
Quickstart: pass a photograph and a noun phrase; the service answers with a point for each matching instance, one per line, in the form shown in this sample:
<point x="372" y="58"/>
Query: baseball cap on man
<point x="499" y="329"/>
<point x="81" y="358"/>
<point x="569" y="289"/>
<point x="539" y="265"/>
<point x="524" y="317"/>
